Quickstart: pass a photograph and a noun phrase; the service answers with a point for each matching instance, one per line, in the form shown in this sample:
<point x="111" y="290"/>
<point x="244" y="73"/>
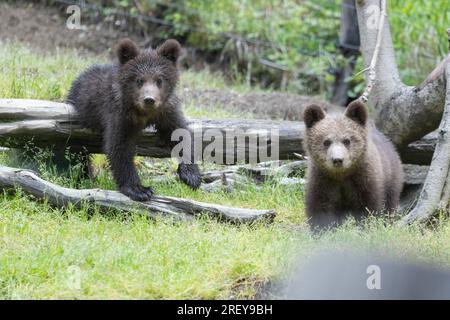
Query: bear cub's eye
<point x="327" y="143"/>
<point x="158" y="82"/>
<point x="139" y="82"/>
<point x="346" y="142"/>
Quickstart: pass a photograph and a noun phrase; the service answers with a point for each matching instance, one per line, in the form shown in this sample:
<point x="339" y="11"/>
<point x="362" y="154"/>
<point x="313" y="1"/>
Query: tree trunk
<point x="349" y="46"/>
<point x="435" y="195"/>
<point x="404" y="113"/>
<point x="407" y="113"/>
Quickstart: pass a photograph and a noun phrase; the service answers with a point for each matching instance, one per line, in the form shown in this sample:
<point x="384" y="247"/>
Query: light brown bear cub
<point x="353" y="168"/>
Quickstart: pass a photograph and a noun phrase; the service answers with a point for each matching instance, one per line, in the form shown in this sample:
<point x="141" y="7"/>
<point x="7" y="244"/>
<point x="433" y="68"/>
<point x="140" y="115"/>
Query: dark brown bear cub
<point x="353" y="169"/>
<point x="119" y="100"/>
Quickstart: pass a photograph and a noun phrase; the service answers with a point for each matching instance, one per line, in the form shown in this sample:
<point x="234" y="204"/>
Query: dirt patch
<point x="44" y="28"/>
<point x="264" y="105"/>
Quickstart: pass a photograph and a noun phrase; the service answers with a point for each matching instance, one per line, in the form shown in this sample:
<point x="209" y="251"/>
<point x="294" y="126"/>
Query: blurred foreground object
<point x="352" y="276"/>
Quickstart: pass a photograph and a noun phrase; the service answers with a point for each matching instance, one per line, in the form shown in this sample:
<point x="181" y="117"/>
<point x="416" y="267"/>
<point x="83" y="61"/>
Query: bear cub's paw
<point x="190" y="175"/>
<point x="137" y="192"/>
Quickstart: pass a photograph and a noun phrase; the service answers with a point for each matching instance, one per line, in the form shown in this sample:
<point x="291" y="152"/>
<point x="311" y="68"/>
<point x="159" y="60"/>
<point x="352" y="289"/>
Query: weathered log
<point x="159" y="206"/>
<point x="47" y="123"/>
<point x="218" y="179"/>
<point x="415" y="174"/>
<point x="226" y="179"/>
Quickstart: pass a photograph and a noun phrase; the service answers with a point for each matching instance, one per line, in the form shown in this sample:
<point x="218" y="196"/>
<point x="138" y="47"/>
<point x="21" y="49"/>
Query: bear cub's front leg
<point x="190" y="174"/>
<point x="120" y="152"/>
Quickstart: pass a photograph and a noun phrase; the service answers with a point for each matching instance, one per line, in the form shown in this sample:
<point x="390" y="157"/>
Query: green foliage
<point x="299" y="36"/>
<point x="419" y="35"/>
<point x="37" y="76"/>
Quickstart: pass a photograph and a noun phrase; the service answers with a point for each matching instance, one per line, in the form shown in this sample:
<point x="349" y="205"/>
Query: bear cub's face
<point x="149" y="77"/>
<point x="336" y="143"/>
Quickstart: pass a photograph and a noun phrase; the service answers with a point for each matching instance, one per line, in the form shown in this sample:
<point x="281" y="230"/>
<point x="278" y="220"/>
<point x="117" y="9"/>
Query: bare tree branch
<point x="371" y="77"/>
<point x="159" y="206"/>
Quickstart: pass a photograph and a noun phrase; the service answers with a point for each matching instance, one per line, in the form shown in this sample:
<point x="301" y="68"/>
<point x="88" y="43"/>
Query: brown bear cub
<point x="353" y="168"/>
<point x="119" y="100"/>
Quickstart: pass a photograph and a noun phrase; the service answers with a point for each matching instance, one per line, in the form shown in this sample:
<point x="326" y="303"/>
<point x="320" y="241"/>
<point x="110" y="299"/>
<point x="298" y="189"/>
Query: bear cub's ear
<point x="357" y="111"/>
<point x="170" y="50"/>
<point x="312" y="114"/>
<point x="126" y="50"/>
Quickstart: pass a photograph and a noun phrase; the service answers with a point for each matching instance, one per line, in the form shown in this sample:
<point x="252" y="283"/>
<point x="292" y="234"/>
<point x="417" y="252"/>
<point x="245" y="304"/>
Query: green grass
<point x="37" y="76"/>
<point x="27" y="75"/>
<point x="132" y="257"/>
<point x="44" y="251"/>
<point x="206" y="79"/>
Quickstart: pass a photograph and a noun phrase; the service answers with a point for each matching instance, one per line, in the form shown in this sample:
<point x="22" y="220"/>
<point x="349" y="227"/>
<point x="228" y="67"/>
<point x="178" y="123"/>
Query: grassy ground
<point x="72" y="253"/>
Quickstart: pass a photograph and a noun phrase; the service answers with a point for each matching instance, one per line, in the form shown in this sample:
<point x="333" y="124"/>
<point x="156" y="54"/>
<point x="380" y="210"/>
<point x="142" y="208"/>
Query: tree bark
<point x="434" y="195"/>
<point x="46" y="124"/>
<point x="407" y="113"/>
<point x="159" y="206"/>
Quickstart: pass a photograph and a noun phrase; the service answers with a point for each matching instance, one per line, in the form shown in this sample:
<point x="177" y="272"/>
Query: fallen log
<point x="415" y="174"/>
<point x="47" y="123"/>
<point x="159" y="206"/>
<point x="226" y="178"/>
<point x="218" y="180"/>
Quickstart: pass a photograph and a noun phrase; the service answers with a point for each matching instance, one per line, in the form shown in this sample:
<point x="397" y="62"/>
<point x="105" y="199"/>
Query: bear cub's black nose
<point x="149" y="101"/>
<point x="337" y="162"/>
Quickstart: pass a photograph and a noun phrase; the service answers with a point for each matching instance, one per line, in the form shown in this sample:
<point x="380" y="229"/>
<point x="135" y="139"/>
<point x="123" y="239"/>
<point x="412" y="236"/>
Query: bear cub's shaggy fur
<point x="353" y="168"/>
<point x="119" y="100"/>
